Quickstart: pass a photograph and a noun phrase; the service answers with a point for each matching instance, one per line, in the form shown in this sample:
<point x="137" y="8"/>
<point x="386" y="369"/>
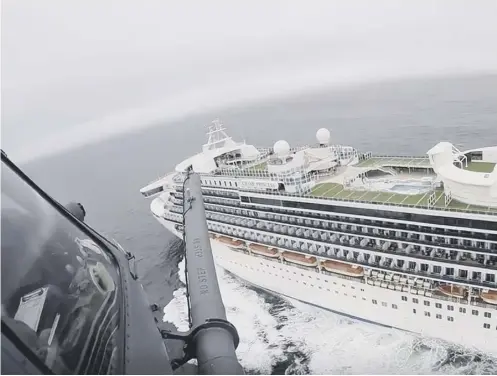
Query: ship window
<point x="415" y="300"/>
<point x="490" y="277"/>
<point x="462" y="310"/>
<point x="354" y="296"/>
<point x="363" y="298"/>
<point x="450" y="318"/>
<point x="439" y="316"/>
<point x="384" y="304"/>
<point x="427" y="303"/>
<point x="438" y="305"/>
<point x="320" y="287"/>
<point x="327" y="289"/>
<point x="404" y="298"/>
<point x="487" y="314"/>
<point x="374" y="301"/>
<point x="344" y="294"/>
<point x="427" y="314"/>
<point x="305" y="283"/>
<point x="414" y="310"/>
<point x="352" y="287"/>
<point x="343" y="285"/>
<point x="326" y="280"/>
<point x="394" y="306"/>
<point x="486" y="326"/>
<point x="475" y="312"/>
<point x="450" y="308"/>
<point x="362" y="290"/>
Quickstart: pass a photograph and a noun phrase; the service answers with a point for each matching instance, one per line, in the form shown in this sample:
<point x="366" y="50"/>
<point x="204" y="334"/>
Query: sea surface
<point x="280" y="336"/>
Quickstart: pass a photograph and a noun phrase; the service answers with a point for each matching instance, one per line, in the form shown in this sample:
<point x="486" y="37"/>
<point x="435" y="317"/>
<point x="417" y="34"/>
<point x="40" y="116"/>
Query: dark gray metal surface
<point x="215" y="346"/>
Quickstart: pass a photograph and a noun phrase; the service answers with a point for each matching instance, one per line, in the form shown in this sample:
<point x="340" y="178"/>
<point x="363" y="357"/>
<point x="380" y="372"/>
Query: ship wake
<point x="284" y="336"/>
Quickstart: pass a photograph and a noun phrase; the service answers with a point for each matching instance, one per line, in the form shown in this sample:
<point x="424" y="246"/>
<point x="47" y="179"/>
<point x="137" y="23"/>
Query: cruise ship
<point x="408" y="242"/>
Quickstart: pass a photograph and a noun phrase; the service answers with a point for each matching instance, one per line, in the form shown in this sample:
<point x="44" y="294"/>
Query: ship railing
<point x="367" y="235"/>
<point x="356" y="279"/>
<point x="299" y="148"/>
<point x="483" y="305"/>
<point x="261" y="158"/>
<point x="450" y="299"/>
<point x="316" y="270"/>
<point x="169" y="175"/>
<point x="308" y="268"/>
<point x="383" y="232"/>
<point x="408" y="273"/>
<point x="371" y="238"/>
<point x="336" y="199"/>
<point x="399" y="156"/>
<point x="375" y="264"/>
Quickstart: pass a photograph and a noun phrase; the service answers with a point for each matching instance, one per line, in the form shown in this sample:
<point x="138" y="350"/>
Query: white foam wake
<point x="306" y="339"/>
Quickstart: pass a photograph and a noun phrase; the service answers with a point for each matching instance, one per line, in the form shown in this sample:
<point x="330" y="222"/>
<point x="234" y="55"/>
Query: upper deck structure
<point x="443" y="179"/>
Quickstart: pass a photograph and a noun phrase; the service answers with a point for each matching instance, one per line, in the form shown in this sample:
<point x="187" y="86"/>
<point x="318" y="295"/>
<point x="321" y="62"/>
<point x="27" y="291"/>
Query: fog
<point x="75" y="72"/>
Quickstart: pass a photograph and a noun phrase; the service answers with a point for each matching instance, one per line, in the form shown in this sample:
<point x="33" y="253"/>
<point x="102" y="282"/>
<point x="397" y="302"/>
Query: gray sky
<point x="75" y="71"/>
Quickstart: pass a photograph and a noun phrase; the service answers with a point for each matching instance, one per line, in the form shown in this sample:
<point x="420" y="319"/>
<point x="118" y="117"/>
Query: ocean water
<point x="280" y="336"/>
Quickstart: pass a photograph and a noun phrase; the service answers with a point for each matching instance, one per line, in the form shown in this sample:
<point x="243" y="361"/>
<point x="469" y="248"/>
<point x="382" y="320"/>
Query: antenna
<point x="217" y="135"/>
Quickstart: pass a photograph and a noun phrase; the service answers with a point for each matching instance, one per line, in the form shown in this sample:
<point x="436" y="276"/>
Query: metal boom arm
<point x="212" y="339"/>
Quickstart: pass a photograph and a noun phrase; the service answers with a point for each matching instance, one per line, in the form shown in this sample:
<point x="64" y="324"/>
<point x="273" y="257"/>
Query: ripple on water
<point x="284" y="336"/>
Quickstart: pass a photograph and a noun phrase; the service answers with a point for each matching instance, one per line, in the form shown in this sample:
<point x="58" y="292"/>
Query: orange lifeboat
<point x="342" y="268"/>
<point x="454" y="291"/>
<point x="297" y="258"/>
<point x="229" y="241"/>
<point x="263" y="250"/>
<point x="489" y="296"/>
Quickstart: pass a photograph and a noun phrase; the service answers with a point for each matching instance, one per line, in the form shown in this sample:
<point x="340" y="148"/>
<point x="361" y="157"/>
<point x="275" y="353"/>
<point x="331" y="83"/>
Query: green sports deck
<point x="418" y="162"/>
<point x="338" y="191"/>
<point x="480" y="166"/>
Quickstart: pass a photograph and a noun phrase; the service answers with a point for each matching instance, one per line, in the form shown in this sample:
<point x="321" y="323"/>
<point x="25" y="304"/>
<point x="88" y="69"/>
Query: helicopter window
<point x="60" y="290"/>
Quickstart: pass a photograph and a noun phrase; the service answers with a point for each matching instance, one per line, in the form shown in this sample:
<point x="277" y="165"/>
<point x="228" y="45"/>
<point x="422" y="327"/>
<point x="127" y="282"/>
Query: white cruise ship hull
<point x="356" y="299"/>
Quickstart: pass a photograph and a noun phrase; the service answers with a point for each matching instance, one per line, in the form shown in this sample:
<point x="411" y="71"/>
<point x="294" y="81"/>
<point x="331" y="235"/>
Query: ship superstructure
<point x="404" y="241"/>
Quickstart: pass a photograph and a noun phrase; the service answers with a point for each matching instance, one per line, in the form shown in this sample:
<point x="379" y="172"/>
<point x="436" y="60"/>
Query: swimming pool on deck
<point x="406" y="187"/>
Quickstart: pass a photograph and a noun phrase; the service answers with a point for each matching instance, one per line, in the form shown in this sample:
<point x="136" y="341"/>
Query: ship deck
<point x="480" y="166"/>
<point x="380" y="161"/>
<point x="338" y="191"/>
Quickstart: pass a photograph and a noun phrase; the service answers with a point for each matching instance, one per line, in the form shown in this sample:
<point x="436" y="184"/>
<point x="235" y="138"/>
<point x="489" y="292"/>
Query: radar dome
<point x="323" y="136"/>
<point x="281" y="148"/>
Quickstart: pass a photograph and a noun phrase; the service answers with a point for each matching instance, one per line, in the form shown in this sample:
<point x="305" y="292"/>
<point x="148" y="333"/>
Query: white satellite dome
<point x="323" y="136"/>
<point x="281" y="148"/>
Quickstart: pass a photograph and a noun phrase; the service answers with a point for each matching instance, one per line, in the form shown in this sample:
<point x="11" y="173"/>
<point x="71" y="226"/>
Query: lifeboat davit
<point x="297" y="258"/>
<point x="489" y="296"/>
<point x="342" y="268"/>
<point x="229" y="241"/>
<point x="263" y="250"/>
<point x="455" y="291"/>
